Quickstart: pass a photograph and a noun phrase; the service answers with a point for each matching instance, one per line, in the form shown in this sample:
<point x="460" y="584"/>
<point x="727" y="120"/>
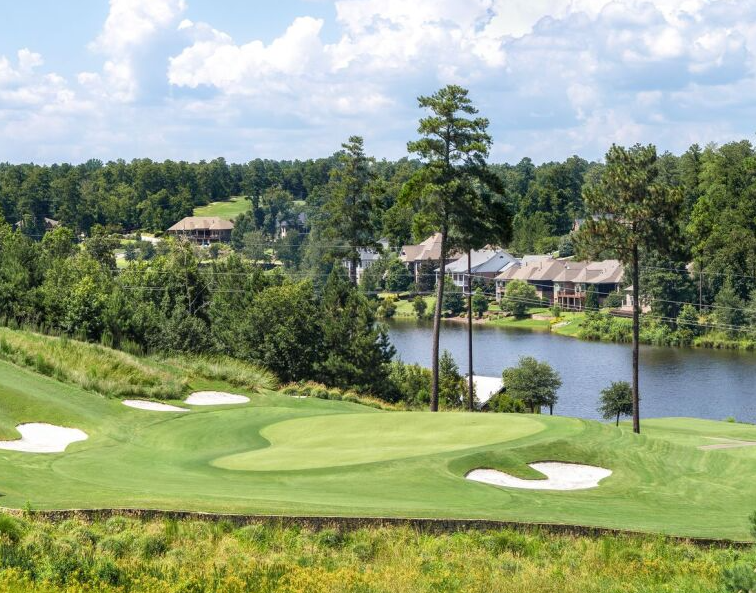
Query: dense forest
<point x="174" y="297"/>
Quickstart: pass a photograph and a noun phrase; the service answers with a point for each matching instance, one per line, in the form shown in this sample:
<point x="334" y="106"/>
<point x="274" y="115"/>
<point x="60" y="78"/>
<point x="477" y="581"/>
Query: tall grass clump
<point x="165" y="557"/>
<point x="224" y="368"/>
<point x="90" y="366"/>
<point x="320" y="391"/>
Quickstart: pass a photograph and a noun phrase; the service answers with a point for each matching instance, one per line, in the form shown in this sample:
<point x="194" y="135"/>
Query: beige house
<point x="539" y="272"/>
<point x="564" y="282"/>
<point x="203" y="230"/>
<point x="571" y="285"/>
<point x="429" y="251"/>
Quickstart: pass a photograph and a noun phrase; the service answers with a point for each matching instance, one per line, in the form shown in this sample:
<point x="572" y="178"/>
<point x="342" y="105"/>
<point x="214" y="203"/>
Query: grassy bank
<point x="120" y="555"/>
<point x="119" y="374"/>
<point x="228" y="209"/>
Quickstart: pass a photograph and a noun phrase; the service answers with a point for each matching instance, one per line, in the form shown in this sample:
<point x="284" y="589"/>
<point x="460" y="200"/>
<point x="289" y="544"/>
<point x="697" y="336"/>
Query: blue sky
<point x="192" y="79"/>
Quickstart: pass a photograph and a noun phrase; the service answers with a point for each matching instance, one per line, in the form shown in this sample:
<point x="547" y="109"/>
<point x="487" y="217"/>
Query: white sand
<point x="152" y="406"/>
<point x="486" y="387"/>
<point x="44" y="438"/>
<point x="215" y="398"/>
<point x="560" y="476"/>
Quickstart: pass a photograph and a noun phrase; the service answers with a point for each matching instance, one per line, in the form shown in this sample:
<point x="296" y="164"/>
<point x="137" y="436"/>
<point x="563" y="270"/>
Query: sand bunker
<point x="152" y="406"/>
<point x="560" y="476"/>
<point x="43" y="438"/>
<point x="215" y="398"/>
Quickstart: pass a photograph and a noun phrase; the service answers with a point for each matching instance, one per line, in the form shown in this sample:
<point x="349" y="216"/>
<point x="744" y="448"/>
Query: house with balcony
<point x="426" y="253"/>
<point x="571" y="285"/>
<point x="203" y="230"/>
<point x="485" y="265"/>
<point x="538" y="271"/>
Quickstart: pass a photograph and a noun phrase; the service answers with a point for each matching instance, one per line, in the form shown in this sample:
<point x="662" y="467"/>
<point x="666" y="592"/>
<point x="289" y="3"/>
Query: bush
<point x="519" y="296"/>
<point x="614" y="300"/>
<point x="10" y="529"/>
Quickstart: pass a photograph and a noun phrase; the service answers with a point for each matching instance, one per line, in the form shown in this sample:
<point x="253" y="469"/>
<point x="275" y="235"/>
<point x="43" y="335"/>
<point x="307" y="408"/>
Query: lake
<point x="711" y="384"/>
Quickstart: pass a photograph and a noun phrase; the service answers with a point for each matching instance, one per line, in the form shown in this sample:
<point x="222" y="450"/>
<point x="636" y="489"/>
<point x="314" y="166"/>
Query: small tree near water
<point x="420" y="306"/>
<point x="534" y="383"/>
<point x="519" y="296"/>
<point x="616" y="400"/>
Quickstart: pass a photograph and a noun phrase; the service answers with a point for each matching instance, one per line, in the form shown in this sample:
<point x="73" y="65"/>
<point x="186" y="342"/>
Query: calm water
<point x="674" y="381"/>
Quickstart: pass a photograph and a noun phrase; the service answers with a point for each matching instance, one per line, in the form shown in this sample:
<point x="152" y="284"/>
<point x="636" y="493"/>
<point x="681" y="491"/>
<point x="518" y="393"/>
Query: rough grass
<point x="90" y="366"/>
<point x="121" y="554"/>
<point x="227" y="369"/>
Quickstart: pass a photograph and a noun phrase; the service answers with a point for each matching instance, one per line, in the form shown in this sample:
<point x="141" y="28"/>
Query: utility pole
<point x="470" y="397"/>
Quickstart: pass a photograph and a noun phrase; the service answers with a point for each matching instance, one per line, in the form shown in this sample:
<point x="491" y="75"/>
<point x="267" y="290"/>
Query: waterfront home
<point x="427" y="252"/>
<point x="485" y="265"/>
<point x="539" y="272"/>
<point x="572" y="283"/>
<point x="203" y="230"/>
<point x="367" y="258"/>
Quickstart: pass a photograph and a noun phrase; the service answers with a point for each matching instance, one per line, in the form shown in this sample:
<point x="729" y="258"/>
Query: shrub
<point x="153" y="545"/>
<point x="519" y="296"/>
<point x="10" y="529"/>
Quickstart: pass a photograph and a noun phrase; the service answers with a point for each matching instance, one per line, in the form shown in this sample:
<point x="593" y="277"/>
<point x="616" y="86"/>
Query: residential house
<point x="571" y="285"/>
<point x="485" y="264"/>
<point x="203" y="230"/>
<point x="427" y="252"/>
<point x="367" y="258"/>
<point x="626" y="310"/>
<point x="50" y="224"/>
<point x="539" y="272"/>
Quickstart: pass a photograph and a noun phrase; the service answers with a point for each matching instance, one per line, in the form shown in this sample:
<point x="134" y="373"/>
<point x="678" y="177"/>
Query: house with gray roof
<point x="485" y="264"/>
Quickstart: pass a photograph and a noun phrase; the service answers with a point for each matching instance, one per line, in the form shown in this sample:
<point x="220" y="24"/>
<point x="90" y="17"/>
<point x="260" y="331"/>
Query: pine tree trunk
<point x="636" y="339"/>
<point x="353" y="270"/>
<point x="470" y="398"/>
<point x="437" y="323"/>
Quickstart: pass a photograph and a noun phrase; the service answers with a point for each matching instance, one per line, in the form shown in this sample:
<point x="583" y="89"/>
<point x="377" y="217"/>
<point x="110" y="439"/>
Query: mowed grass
<point x="228" y="209"/>
<point x="349" y="439"/>
<point x="312" y="456"/>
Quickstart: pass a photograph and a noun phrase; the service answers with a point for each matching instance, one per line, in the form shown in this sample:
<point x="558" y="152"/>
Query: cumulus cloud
<point x="130" y="31"/>
<point x="555" y="77"/>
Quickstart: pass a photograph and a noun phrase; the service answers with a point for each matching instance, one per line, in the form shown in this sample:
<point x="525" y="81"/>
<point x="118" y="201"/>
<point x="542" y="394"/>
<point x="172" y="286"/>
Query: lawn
<point x="228" y="209"/>
<point x="282" y="455"/>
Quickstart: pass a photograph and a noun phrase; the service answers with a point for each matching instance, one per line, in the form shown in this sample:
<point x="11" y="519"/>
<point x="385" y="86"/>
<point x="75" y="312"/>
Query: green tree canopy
<point x="616" y="400"/>
<point x="534" y="383"/>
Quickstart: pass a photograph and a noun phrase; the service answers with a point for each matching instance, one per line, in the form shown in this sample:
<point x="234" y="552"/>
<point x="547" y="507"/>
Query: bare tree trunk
<point x="636" y="339"/>
<point x="437" y="323"/>
<point x="470" y="388"/>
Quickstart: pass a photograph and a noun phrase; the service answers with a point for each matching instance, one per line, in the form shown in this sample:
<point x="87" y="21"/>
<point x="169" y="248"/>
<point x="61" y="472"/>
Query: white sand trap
<point x="44" y="438"/>
<point x="140" y="404"/>
<point x="560" y="476"/>
<point x="215" y="398"/>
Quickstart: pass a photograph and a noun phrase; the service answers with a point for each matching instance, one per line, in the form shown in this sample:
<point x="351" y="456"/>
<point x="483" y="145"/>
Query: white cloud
<point x="126" y="37"/>
<point x="555" y="77"/>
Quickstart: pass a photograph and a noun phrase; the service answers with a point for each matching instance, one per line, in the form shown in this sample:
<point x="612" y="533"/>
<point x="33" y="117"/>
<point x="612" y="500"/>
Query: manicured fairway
<point x="228" y="209"/>
<point x="279" y="454"/>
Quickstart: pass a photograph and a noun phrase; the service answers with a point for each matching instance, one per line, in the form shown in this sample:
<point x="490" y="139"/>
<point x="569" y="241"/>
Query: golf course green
<point x="279" y="454"/>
